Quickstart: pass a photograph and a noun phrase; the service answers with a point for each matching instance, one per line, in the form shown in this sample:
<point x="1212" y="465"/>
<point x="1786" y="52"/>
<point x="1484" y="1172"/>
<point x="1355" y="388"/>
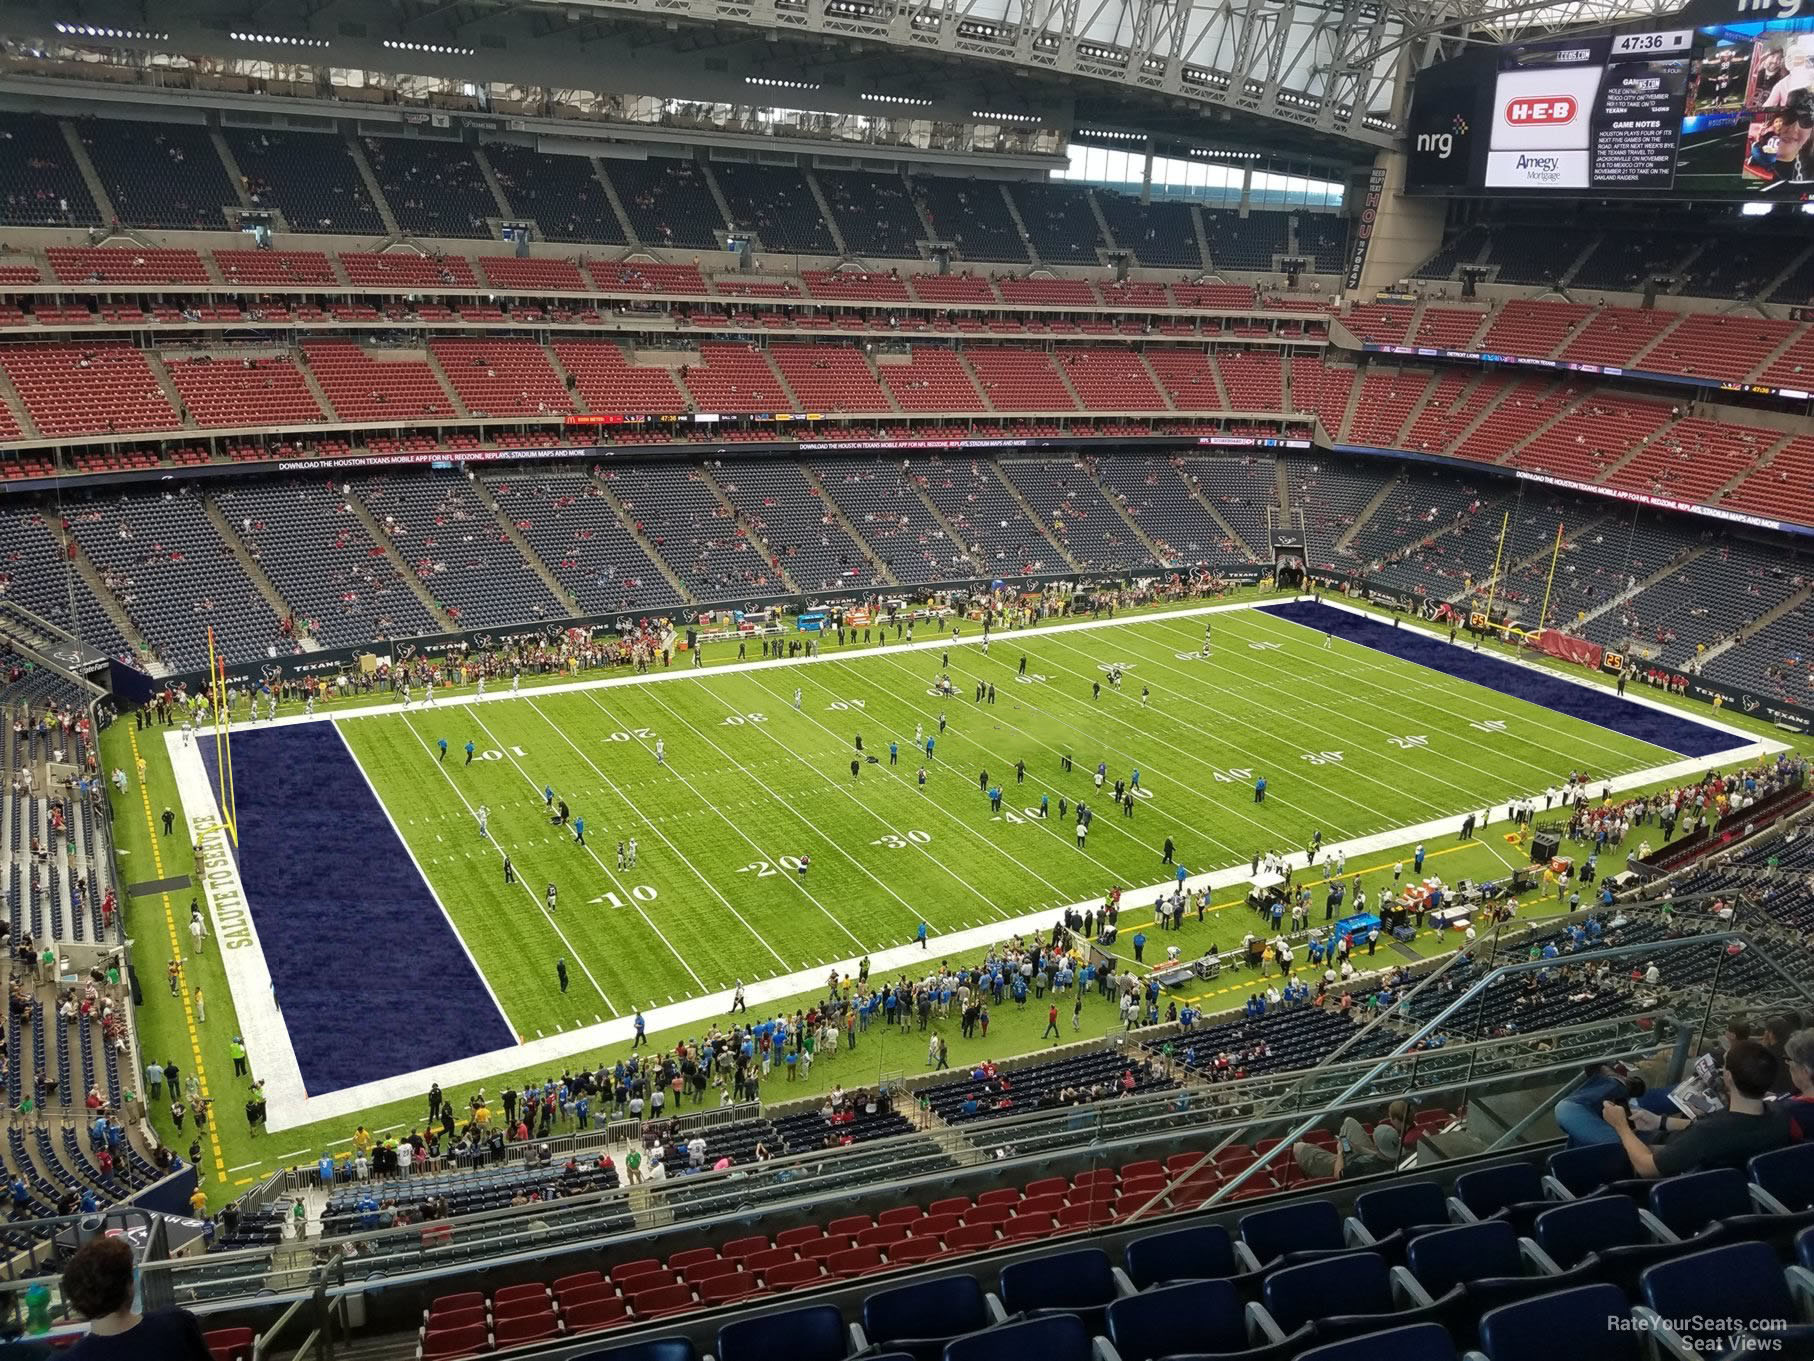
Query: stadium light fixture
<point x="772" y="83"/>
<point x="437" y="49"/>
<point x="136" y="35"/>
<point x="1758" y="209"/>
<point x="991" y="117"/>
<point x="279" y="39"/>
<point x="909" y="100"/>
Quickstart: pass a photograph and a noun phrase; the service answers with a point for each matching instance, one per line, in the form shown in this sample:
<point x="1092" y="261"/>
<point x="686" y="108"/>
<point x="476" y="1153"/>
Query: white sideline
<point x="267" y="1037"/>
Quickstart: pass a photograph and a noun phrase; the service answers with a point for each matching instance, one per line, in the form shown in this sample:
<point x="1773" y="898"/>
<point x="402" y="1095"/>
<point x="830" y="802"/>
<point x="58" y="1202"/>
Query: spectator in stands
<point x="1358" y="1153"/>
<point x="98" y="1285"/>
<point x="1725" y="1138"/>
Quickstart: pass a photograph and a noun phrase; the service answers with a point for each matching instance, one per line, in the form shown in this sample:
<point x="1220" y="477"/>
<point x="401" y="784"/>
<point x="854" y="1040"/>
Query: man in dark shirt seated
<point x="1726" y="1138"/>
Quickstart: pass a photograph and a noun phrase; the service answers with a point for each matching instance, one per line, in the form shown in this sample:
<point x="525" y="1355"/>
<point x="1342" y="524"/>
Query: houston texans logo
<point x="271" y="671"/>
<point x="483" y="640"/>
<point x="405" y="651"/>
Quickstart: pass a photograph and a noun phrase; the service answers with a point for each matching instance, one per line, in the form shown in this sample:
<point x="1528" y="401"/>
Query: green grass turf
<point x="734" y="795"/>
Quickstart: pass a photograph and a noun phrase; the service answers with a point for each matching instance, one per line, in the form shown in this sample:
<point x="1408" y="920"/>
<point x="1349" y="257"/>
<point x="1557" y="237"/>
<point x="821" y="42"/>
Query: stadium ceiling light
<point x="1004" y="117"/>
<point x="1115" y="136"/>
<point x="137" y="35"/>
<point x="281" y="39"/>
<point x="908" y="100"/>
<point x="438" y="49"/>
<point x="770" y="82"/>
<point x="1760" y="209"/>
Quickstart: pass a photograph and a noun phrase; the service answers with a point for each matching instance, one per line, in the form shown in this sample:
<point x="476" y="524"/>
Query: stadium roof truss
<point x="1327" y="65"/>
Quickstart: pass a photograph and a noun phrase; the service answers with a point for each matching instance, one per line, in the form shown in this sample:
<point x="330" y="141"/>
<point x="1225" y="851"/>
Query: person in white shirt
<point x="405" y="1151"/>
<point x="696" y="1150"/>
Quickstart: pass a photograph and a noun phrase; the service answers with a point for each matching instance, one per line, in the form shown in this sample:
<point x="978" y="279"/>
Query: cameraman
<point x="1726" y="1138"/>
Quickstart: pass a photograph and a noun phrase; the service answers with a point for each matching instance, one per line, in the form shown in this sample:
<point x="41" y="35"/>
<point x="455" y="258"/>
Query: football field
<point x="761" y="856"/>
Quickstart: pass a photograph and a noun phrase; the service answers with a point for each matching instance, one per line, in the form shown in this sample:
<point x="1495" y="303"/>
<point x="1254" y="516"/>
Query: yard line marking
<point x="1374" y="662"/>
<point x="744" y="836"/>
<point x="524" y="883"/>
<point x="650" y="824"/>
<point x="1272" y="833"/>
<point x="948" y="813"/>
<point x="628" y="895"/>
<point x="1356" y="768"/>
<point x="1245" y="752"/>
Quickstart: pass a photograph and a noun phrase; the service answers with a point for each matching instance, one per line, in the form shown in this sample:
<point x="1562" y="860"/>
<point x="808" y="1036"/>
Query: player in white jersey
<point x="481" y="687"/>
<point x="429" y="698"/>
<point x="516" y="681"/>
<point x="661" y="752"/>
<point x="632" y="852"/>
<point x="796" y="697"/>
<point x="308" y="705"/>
<point x="484" y="819"/>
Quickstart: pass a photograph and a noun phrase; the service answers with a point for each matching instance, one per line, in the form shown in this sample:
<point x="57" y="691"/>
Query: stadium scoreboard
<point x="1718" y="105"/>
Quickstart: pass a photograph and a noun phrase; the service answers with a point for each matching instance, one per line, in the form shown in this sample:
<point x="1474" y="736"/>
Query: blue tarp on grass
<point x="1671" y="731"/>
<point x="369" y="975"/>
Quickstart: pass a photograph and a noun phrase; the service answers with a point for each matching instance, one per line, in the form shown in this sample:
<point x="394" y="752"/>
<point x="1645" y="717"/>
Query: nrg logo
<point x="1443" y="143"/>
<point x="1786" y="9"/>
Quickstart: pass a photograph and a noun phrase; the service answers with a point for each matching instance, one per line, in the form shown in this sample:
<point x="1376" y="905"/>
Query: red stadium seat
<point x="970" y="1237"/>
<point x="1047" y="1186"/>
<point x="738" y="1285"/>
<point x="744" y="1247"/>
<point x="882" y="1235"/>
<point x="850" y="1226"/>
<point x="1150" y="1167"/>
<point x="521" y="1307"/>
<point x="680" y="1261"/>
<point x="854" y="1262"/>
<point x="445" y="1344"/>
<point x="644" y="1273"/>
<point x="661" y="1301"/>
<point x="513" y="1332"/>
<point x="592" y="1292"/>
<point x="707" y="1270"/>
<point x="950" y="1205"/>
<point x="229" y="1344"/>
<point x="990" y="1214"/>
<point x="900" y="1214"/>
<point x="531" y="1290"/>
<point x="793" y="1275"/>
<point x="469" y="1299"/>
<point x="933" y="1226"/>
<point x="824" y="1248"/>
<point x="794" y="1238"/>
<point x="915" y="1250"/>
<point x="577" y="1279"/>
<point x="591" y="1315"/>
<point x="764" y="1261"/>
<point x="1027" y="1226"/>
<point x="1006" y="1195"/>
<point x="457" y="1318"/>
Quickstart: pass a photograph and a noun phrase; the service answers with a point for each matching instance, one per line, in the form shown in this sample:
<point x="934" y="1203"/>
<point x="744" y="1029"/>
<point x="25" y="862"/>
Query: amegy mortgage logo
<point x="1544" y="111"/>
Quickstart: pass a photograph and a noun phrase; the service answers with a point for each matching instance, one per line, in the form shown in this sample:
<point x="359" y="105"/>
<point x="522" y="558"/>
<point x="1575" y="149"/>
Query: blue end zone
<point x="1670" y="731"/>
<point x="369" y="975"/>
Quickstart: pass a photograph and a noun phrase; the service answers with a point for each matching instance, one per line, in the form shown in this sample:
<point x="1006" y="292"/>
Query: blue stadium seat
<point x="1058" y="1337"/>
<point x="1080" y="1283"/>
<point x="1396" y="1213"/>
<point x="1335" y="1297"/>
<point x="1474" y="1268"/>
<point x="1570" y="1325"/>
<point x="1294" y="1233"/>
<point x="1205" y="1252"/>
<point x="655" y="1349"/>
<point x="1513" y="1192"/>
<point x="1416" y="1342"/>
<point x="1718" y="1203"/>
<point x="1688" y="1204"/>
<point x="1739" y="1283"/>
<point x="1786" y="1175"/>
<point x="1195" y="1317"/>
<point x="1581" y="1171"/>
<point x="1576" y="1228"/>
<point x="923" y="1317"/>
<point x="816" y="1333"/>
